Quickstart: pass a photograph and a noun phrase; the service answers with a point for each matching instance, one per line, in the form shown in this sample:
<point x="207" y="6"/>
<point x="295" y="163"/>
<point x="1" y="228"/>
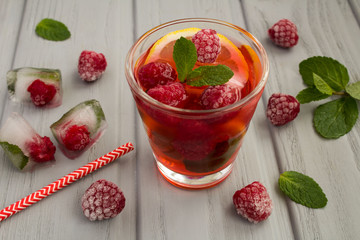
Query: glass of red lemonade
<point x="195" y="137"/>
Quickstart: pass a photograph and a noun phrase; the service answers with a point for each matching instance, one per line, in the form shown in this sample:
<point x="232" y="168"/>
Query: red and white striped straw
<point x="65" y="181"/>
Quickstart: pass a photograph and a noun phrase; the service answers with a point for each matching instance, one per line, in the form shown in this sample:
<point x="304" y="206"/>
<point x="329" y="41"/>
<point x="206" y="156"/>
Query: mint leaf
<point x="302" y="189"/>
<point x="336" y="118"/>
<point x="310" y="94"/>
<point x="15" y="154"/>
<point x="52" y="30"/>
<point x="209" y="76"/>
<point x="185" y="57"/>
<point x="330" y="70"/>
<point x="321" y="85"/>
<point x="353" y="90"/>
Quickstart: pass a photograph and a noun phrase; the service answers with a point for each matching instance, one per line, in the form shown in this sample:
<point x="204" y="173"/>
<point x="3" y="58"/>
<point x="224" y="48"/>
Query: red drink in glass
<point x="193" y="147"/>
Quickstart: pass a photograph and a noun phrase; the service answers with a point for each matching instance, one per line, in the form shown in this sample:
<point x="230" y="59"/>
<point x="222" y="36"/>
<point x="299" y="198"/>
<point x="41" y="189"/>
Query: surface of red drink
<point x="198" y="143"/>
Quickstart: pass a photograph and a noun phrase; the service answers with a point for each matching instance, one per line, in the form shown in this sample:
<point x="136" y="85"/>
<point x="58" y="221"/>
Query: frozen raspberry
<point x="219" y="96"/>
<point x="91" y="65"/>
<point x="41" y="93"/>
<point x="41" y="149"/>
<point x="282" y="109"/>
<point x="207" y="44"/>
<point x="172" y="94"/>
<point x="253" y="202"/>
<point x="76" y="138"/>
<point x="284" y="33"/>
<point x="155" y="73"/>
<point x="102" y="200"/>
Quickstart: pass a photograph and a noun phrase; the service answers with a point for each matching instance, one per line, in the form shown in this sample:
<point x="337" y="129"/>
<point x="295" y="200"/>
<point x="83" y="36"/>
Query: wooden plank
<point x="166" y="212"/>
<point x="326" y="28"/>
<point x="102" y="26"/>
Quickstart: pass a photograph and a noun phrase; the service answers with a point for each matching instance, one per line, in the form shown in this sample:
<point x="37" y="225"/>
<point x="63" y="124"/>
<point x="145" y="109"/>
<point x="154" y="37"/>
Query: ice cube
<point x="18" y="81"/>
<point x="90" y="124"/>
<point x="23" y="145"/>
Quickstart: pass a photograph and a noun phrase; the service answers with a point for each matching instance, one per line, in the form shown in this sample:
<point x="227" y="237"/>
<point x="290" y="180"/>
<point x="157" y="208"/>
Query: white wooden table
<point x="154" y="208"/>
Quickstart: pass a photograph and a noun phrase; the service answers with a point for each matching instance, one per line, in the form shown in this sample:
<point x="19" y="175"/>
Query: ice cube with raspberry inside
<point x="41" y="86"/>
<point x="79" y="128"/>
<point x="23" y="145"/>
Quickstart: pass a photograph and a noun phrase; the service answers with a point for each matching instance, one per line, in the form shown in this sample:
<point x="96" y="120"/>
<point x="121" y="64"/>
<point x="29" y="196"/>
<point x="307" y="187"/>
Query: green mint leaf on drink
<point x="328" y="69"/>
<point x="336" y="118"/>
<point x="52" y="30"/>
<point x="302" y="189"/>
<point x="327" y="77"/>
<point x="310" y="94"/>
<point x="184" y="55"/>
<point x="321" y="85"/>
<point x="209" y="76"/>
<point x="353" y="90"/>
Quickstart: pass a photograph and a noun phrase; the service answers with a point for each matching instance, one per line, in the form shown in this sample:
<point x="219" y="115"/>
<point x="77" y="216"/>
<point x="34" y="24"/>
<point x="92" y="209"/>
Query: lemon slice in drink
<point x="230" y="55"/>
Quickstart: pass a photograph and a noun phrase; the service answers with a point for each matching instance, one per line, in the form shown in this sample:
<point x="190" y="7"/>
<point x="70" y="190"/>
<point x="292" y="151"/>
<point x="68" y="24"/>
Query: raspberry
<point x="76" y="138"/>
<point x="207" y="44"/>
<point x="284" y="33"/>
<point x="253" y="202"/>
<point x="282" y="109"/>
<point x="102" y="200"/>
<point x="155" y="73"/>
<point x="91" y="65"/>
<point x="194" y="139"/>
<point x="41" y="149"/>
<point x="41" y="93"/>
<point x="219" y="96"/>
<point x="172" y="94"/>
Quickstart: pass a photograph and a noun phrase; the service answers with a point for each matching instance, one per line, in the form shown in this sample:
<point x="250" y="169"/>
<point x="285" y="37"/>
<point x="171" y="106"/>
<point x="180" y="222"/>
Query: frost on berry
<point x="76" y="138"/>
<point x="253" y="202"/>
<point x="91" y="65"/>
<point x="41" y="93"/>
<point x="102" y="200"/>
<point x="155" y="73"/>
<point x="41" y="149"/>
<point x="282" y="109"/>
<point x="172" y="94"/>
<point x="207" y="44"/>
<point x="284" y="33"/>
<point x="219" y="96"/>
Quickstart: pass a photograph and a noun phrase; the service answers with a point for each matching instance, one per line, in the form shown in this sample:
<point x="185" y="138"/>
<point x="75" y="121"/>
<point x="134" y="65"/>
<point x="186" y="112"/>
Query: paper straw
<point x="65" y="181"/>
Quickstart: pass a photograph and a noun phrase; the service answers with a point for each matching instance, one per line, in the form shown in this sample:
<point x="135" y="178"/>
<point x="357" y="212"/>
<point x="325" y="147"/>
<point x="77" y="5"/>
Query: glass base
<point x="191" y="182"/>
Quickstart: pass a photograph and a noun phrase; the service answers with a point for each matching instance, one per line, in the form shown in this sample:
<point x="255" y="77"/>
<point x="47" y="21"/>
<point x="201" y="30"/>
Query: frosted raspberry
<point x="253" y="202"/>
<point x="284" y="33"/>
<point x="76" y="138"/>
<point x="282" y="109"/>
<point x="219" y="96"/>
<point x="207" y="44"/>
<point x="102" y="200"/>
<point x="41" y="93"/>
<point x="91" y="65"/>
<point x="172" y="94"/>
<point x="155" y="73"/>
<point x="41" y="149"/>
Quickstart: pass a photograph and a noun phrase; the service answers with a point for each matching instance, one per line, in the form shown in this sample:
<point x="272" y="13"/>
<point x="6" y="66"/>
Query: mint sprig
<point x="185" y="57"/>
<point x="302" y="189"/>
<point x="52" y="30"/>
<point x="327" y="77"/>
<point x="15" y="154"/>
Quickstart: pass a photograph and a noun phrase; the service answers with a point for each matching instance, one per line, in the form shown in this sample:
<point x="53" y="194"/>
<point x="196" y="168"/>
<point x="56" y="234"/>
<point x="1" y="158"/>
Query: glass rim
<point x="129" y="66"/>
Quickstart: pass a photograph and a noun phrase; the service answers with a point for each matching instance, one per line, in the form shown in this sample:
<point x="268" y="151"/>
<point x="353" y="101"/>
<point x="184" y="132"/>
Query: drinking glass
<point x="197" y="148"/>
